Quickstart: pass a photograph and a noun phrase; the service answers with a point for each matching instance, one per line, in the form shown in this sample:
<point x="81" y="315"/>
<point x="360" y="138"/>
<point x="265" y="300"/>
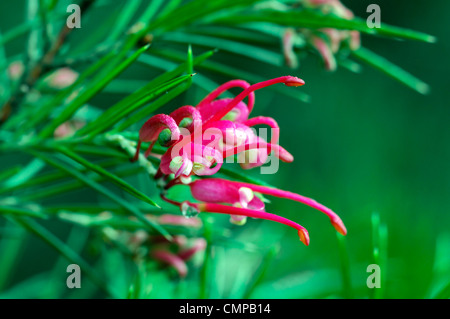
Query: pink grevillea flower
<point x="224" y="108"/>
<point x="15" y="70"/>
<point x="330" y="6"/>
<point x="175" y="253"/>
<point x="216" y="190"/>
<point x="192" y="158"/>
<point x="326" y="41"/>
<point x="209" y="106"/>
<point x="252" y="150"/>
<point x="171" y="220"/>
<point x="245" y="201"/>
<point x="68" y="128"/>
<point x="171" y="259"/>
<point x="288" y="48"/>
<point x="325" y="52"/>
<point x="180" y="253"/>
<point x="200" y="151"/>
<point x="151" y="129"/>
<point x="238" y="138"/>
<point x="238" y="211"/>
<point x="176" y="220"/>
<point x="62" y="78"/>
<point x="222" y="191"/>
<point x="215" y="129"/>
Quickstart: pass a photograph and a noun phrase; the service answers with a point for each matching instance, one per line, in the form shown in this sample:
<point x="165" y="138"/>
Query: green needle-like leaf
<point x="200" y="80"/>
<point x="147" y="110"/>
<point x="315" y="19"/>
<point x="10" y="251"/>
<point x="232" y="72"/>
<point x="52" y="177"/>
<point x="190" y="60"/>
<point x="254" y="52"/>
<point x="149" y="60"/>
<point x="345" y="266"/>
<point x="262" y="270"/>
<point x="128" y="105"/>
<point x="25" y="173"/>
<point x="193" y="11"/>
<point x="141" y="96"/>
<point x="205" y="280"/>
<point x="126" y="14"/>
<point x="391" y="69"/>
<point x="25" y="27"/>
<point x="7" y="173"/>
<point x="379" y="243"/>
<point x="444" y="293"/>
<point x="4" y="78"/>
<point x="30" y="118"/>
<point x="90" y="92"/>
<point x="104" y="191"/>
<point x="109" y="176"/>
<point x="239" y="34"/>
<point x="20" y="211"/>
<point x="41" y="193"/>
<point x="56" y="243"/>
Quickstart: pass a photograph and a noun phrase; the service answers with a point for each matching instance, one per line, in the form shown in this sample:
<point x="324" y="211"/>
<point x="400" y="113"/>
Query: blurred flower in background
<point x="325" y="41"/>
<point x="15" y="70"/>
<point x="61" y="78"/>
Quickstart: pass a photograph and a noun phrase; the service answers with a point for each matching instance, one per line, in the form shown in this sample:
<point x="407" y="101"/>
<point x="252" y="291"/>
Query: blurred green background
<point x="365" y="144"/>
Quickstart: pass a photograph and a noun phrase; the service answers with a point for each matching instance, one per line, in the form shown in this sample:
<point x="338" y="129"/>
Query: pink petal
<point x="325" y="52"/>
<point x="186" y="111"/>
<point x="177" y="220"/>
<point x="224" y="87"/>
<point x="230" y="210"/>
<point x="196" y="153"/>
<point x="209" y="110"/>
<point x="280" y="152"/>
<point x="216" y="190"/>
<point x="288" y="80"/>
<point x="199" y="245"/>
<point x="334" y="218"/>
<point x="171" y="260"/>
<point x="266" y="121"/>
<point x="149" y="132"/>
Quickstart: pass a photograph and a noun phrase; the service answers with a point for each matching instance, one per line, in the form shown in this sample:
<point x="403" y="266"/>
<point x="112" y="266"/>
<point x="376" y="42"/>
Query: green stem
<point x="205" y="279"/>
<point x="345" y="267"/>
<point x="106" y="192"/>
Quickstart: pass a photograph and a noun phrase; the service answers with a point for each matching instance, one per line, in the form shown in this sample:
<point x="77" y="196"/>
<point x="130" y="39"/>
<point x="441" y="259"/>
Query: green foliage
<point x="135" y="59"/>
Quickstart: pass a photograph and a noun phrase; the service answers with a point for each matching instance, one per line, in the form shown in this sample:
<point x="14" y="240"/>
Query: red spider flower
<point x="174" y="254"/>
<point x="199" y="138"/>
<point x="177" y="257"/>
<point x="208" y="137"/>
<point x="214" y="192"/>
<point x="326" y="41"/>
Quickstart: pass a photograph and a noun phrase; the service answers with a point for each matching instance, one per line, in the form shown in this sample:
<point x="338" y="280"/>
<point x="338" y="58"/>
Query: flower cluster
<point x="326" y="41"/>
<point x="174" y="254"/>
<point x="199" y="138"/>
<point x="182" y="251"/>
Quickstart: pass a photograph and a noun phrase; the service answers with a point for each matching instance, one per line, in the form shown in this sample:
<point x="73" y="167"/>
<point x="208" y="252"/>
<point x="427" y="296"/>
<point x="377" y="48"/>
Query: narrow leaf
<point x="315" y="19"/>
<point x="109" y="176"/>
<point x="85" y="96"/>
<point x="56" y="243"/>
<point x="391" y="69"/>
<point x="104" y="191"/>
